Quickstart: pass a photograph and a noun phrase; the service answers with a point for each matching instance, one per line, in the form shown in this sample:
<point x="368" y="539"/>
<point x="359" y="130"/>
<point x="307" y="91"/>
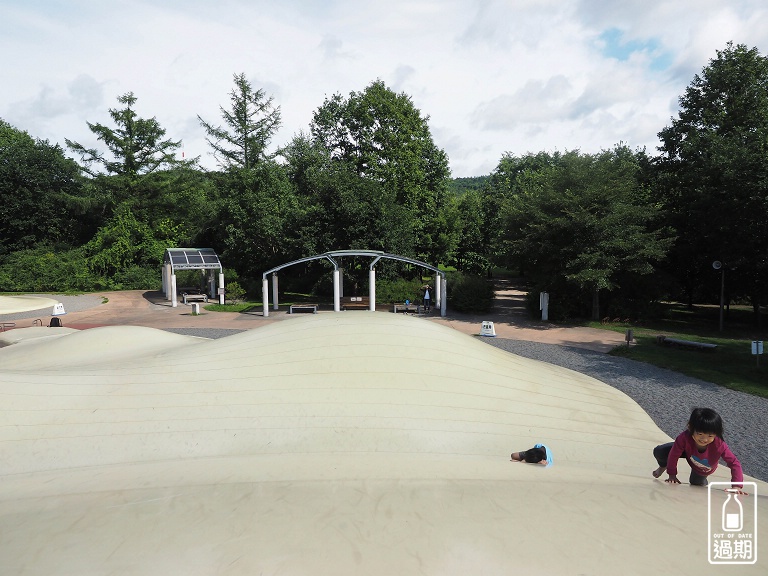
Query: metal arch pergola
<point x="191" y="259"/>
<point x="440" y="284"/>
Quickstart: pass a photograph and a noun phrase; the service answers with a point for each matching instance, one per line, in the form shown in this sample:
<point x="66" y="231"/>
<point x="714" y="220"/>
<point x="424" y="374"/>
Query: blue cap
<point x="548" y="452"/>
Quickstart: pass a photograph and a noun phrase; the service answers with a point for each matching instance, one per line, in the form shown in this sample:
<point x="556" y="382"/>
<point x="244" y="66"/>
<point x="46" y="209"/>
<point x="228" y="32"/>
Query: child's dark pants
<point x="661" y="453"/>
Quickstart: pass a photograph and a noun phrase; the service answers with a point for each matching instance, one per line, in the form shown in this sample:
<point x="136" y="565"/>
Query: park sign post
<point x="757" y="349"/>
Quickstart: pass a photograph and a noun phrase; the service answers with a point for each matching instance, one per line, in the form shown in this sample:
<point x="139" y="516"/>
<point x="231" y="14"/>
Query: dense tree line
<point x="606" y="234"/>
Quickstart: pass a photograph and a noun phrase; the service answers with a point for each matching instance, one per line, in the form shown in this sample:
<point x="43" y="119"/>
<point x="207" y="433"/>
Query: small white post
<point x="544" y="305"/>
<point x="221" y="287"/>
<point x="438" y="293"/>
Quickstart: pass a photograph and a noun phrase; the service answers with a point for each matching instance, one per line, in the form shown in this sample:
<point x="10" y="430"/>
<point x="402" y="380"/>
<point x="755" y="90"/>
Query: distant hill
<point x="462" y="185"/>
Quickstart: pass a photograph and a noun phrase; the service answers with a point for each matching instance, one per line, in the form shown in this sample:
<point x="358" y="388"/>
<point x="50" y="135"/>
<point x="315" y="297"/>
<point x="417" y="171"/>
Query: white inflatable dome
<point x="354" y="443"/>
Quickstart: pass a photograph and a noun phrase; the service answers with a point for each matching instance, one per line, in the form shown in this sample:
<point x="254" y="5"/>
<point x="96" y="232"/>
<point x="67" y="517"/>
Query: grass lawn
<point x="257" y="306"/>
<point x="731" y="364"/>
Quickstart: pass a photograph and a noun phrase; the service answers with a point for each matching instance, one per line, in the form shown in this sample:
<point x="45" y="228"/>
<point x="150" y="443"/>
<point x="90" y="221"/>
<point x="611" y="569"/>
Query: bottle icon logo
<point x="733" y="514"/>
<point x="732" y="523"/>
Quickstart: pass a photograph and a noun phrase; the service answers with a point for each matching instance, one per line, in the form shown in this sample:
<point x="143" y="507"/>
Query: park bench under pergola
<point x="338" y="287"/>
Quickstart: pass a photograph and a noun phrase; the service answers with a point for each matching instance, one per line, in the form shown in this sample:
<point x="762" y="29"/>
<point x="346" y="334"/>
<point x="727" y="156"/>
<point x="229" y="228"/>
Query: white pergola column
<point x="443" y="287"/>
<point x="174" y="299"/>
<point x="336" y="286"/>
<point x="221" y="288"/>
<point x="341" y="282"/>
<point x="437" y="294"/>
<point x="274" y="291"/>
<point x="265" y="297"/>
<point x="372" y="290"/>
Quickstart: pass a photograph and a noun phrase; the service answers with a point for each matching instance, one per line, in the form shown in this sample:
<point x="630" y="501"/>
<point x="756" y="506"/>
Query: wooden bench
<point x="403" y="307"/>
<point x="355" y="302"/>
<point x="689" y="344"/>
<point x="304" y="306"/>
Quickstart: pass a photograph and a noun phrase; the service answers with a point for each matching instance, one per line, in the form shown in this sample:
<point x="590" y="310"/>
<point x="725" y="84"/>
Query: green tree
<point x="125" y="253"/>
<point x="714" y="174"/>
<point x="38" y="190"/>
<point x="136" y="147"/>
<point x="342" y="209"/>
<point x="470" y="254"/>
<point x="248" y="127"/>
<point x="503" y="185"/>
<point x="384" y="138"/>
<point x="255" y="219"/>
<point x="585" y="221"/>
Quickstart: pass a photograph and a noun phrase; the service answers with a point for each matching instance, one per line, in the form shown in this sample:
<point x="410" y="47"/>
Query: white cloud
<point x="493" y="76"/>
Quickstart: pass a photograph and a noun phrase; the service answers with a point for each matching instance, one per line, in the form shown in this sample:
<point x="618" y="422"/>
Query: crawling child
<point x="702" y="445"/>
<point x="539" y="454"/>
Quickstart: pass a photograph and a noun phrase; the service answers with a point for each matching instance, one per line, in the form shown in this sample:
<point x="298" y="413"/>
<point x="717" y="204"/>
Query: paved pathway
<point x="149" y="308"/>
<point x="510" y="320"/>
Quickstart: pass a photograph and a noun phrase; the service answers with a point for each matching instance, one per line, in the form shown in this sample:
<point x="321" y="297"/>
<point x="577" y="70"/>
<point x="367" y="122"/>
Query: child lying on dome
<point x="539" y="454"/>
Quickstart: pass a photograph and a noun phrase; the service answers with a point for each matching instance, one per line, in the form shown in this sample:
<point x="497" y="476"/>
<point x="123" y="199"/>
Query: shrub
<point x="398" y="290"/>
<point x="235" y="292"/>
<point x="469" y="294"/>
<point x="47" y="269"/>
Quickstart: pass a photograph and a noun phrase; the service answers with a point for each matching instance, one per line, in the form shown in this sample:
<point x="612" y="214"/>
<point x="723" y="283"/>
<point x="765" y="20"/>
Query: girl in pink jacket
<point x="702" y="445"/>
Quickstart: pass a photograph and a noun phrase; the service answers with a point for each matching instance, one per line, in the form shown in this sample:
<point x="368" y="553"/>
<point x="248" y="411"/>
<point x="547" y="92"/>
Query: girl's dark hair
<point x="706" y="421"/>
<point x="534" y="455"/>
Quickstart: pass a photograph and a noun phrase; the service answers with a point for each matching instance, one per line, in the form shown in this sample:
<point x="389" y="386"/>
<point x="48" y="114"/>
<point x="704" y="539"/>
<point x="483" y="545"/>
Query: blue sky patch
<point x="613" y="45"/>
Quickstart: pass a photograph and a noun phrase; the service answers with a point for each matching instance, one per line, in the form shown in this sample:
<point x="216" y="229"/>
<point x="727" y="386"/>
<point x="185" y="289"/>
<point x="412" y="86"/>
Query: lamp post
<point x="717" y="265"/>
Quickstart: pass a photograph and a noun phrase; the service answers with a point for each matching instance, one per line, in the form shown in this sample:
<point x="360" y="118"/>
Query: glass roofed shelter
<point x="204" y="259"/>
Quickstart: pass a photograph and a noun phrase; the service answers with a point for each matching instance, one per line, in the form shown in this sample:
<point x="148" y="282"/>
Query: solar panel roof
<point x="192" y="258"/>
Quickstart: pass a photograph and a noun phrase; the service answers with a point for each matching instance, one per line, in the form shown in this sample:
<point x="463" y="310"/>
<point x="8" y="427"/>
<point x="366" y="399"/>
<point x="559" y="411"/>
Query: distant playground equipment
<point x="368" y="302"/>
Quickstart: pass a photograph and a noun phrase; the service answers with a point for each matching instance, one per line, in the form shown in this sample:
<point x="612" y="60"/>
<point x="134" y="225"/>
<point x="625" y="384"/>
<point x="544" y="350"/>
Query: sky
<point x="493" y="76"/>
